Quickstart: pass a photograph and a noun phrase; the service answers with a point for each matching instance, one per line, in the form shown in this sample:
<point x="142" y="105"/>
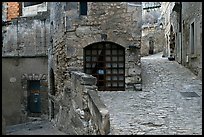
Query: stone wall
<point x="120" y="22"/>
<point x="16" y="72"/>
<point x="24" y="58"/>
<point x="81" y="112"/>
<point x="157" y="36"/>
<point x="166" y="8"/>
<point x="192" y="12"/>
<point x="26" y="36"/>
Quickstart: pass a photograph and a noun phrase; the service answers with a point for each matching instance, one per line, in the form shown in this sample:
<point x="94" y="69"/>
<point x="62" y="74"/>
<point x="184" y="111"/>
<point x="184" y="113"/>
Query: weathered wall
<point x="24" y="58"/>
<point x="81" y="112"/>
<point x="26" y="36"/>
<point x="192" y="11"/>
<point x="120" y="22"/>
<point x="155" y="34"/>
<point x="166" y="8"/>
<point x="71" y="33"/>
<point x="14" y="91"/>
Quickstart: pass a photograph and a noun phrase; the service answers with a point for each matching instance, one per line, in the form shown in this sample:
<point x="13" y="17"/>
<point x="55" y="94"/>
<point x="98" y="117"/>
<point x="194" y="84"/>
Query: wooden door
<point x="106" y="62"/>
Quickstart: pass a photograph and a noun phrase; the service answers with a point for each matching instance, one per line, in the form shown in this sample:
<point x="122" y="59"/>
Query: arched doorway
<point x="106" y="62"/>
<point x="52" y="92"/>
<point x="52" y="83"/>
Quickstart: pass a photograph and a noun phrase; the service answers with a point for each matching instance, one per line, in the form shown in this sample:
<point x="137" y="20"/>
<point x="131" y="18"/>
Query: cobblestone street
<point x="170" y="102"/>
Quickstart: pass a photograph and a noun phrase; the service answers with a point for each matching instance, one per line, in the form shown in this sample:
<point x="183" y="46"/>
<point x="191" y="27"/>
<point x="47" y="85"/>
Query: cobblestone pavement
<point x="34" y="128"/>
<point x="169" y="104"/>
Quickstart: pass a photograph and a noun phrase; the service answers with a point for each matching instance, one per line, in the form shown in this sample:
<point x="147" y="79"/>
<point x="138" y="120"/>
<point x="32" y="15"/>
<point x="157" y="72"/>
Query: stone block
<point x="134" y="71"/>
<point x="133" y="79"/>
<point x="88" y="80"/>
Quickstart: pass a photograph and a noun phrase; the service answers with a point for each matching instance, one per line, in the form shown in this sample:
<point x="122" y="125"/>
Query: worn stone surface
<point x="160" y="108"/>
<point x="72" y="32"/>
<point x="34" y="128"/>
<point x="80" y="111"/>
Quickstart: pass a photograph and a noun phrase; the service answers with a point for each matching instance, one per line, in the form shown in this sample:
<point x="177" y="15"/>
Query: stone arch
<point x="52" y="82"/>
<point x="92" y="40"/>
<point x="52" y="92"/>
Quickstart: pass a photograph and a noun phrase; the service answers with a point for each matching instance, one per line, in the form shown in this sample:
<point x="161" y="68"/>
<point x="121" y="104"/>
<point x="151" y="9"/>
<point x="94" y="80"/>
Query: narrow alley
<point x="170" y="103"/>
<point x="101" y="68"/>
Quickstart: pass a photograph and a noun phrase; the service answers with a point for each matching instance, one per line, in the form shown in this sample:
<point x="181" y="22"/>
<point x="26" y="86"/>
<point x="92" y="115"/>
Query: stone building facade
<point x="24" y="64"/>
<point x="152" y="29"/>
<point x="183" y="29"/>
<point x="115" y="26"/>
<point x="102" y="39"/>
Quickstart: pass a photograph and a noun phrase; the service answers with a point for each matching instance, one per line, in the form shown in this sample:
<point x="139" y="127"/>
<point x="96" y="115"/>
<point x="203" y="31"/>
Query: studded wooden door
<point x="106" y="62"/>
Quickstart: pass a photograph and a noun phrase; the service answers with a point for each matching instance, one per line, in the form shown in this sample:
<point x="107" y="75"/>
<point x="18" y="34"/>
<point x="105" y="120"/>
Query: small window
<point x="26" y="4"/>
<point x="83" y="8"/>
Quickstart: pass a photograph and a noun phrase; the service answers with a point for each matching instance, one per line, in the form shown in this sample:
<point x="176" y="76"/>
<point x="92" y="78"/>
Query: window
<point x="83" y="8"/>
<point x="192" y="38"/>
<point x="32" y="8"/>
<point x="26" y="4"/>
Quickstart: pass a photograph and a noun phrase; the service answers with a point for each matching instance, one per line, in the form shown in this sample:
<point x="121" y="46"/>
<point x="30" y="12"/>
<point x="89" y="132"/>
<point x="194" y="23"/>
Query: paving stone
<point x="159" y="109"/>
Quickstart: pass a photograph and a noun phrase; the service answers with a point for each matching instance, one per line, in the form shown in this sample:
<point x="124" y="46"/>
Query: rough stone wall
<point x="157" y="35"/>
<point x="192" y="11"/>
<point x="174" y="19"/>
<point x="81" y="111"/>
<point x="119" y="21"/>
<point x="71" y="32"/>
<point x="166" y="8"/>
